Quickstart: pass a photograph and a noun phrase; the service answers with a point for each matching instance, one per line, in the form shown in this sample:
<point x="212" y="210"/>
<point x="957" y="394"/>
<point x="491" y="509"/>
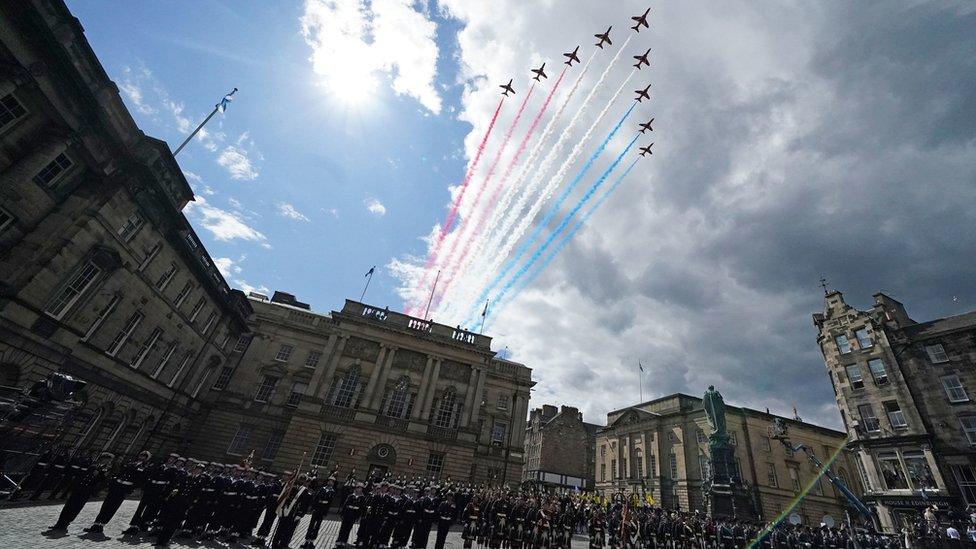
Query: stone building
<point x="559" y="448"/>
<point x="902" y="387"/>
<point x="102" y="276"/>
<point x="365" y="387"/>
<point x="660" y="448"/>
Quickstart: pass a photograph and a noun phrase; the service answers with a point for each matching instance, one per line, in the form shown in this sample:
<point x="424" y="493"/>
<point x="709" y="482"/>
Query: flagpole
<point x="202" y="124"/>
<point x="640" y="381"/>
<point x="483" y="315"/>
<point x="432" y="290"/>
<point x="369" y="276"/>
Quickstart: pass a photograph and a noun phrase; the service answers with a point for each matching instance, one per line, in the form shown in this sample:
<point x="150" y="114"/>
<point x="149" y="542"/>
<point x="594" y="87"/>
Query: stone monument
<point x="726" y="495"/>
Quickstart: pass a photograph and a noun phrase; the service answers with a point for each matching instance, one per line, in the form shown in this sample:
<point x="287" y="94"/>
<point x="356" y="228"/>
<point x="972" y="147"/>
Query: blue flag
<point x="370" y="271"/>
<point x="222" y="106"/>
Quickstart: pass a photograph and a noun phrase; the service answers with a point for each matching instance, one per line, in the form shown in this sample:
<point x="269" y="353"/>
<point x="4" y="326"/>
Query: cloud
<point x="375" y="207"/>
<point x="287" y="210"/>
<point x="237" y="163"/>
<point x="353" y="41"/>
<point x="837" y="142"/>
<point x="222" y="224"/>
<point x="227" y="266"/>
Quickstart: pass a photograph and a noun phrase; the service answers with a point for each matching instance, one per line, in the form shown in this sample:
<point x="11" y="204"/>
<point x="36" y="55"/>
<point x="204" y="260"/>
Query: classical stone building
<point x="365" y="387"/>
<point x="660" y="448"/>
<point x="559" y="448"/>
<point x="101" y="275"/>
<point x="902" y="387"/>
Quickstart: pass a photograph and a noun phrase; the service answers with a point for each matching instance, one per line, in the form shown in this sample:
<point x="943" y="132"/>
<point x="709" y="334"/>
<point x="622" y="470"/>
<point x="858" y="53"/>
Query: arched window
<point x="397" y="398"/>
<point x="446" y="416"/>
<point x="135" y="437"/>
<point x="114" y="435"/>
<point x="346" y="390"/>
<point x="90" y="428"/>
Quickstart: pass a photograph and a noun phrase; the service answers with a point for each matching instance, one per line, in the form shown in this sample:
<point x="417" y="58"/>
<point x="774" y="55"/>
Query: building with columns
<point x="903" y="391"/>
<point x="370" y="388"/>
<point x="101" y="275"/>
<point x="660" y="448"/>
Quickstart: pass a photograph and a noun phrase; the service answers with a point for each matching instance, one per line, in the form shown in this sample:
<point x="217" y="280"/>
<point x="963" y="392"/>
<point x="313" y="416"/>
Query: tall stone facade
<point x="903" y="391"/>
<point x="660" y="448"/>
<point x="102" y="276"/>
<point x="559" y="448"/>
<point x="370" y="388"/>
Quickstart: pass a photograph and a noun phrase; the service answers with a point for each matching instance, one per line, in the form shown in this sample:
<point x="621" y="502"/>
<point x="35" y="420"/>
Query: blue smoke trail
<point x="562" y="224"/>
<point x="553" y="210"/>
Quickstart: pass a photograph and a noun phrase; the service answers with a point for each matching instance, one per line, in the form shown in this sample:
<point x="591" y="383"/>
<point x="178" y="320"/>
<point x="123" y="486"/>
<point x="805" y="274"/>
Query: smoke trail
<point x="562" y="224"/>
<point x="554" y="209"/>
<point x="452" y="213"/>
<point x="461" y="262"/>
<point x="463" y="234"/>
<point x="541" y="266"/>
<point x="547" y="162"/>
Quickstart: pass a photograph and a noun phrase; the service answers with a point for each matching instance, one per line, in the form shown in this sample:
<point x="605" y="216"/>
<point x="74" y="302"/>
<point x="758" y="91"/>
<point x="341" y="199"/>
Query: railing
<point x="338" y="413"/>
<point x="394" y="423"/>
<point x="376" y="314"/>
<point x="441" y="433"/>
<point x="426" y="326"/>
<point x="463" y="336"/>
<point x="419" y="325"/>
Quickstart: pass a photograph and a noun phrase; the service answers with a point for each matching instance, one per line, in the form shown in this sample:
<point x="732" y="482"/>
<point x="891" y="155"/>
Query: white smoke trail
<point x="502" y="252"/>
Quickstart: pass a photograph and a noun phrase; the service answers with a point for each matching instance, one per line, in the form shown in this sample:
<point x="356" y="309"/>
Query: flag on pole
<point x="641" y="366"/>
<point x="484" y="313"/>
<point x="371" y="270"/>
<point x="222" y="106"/>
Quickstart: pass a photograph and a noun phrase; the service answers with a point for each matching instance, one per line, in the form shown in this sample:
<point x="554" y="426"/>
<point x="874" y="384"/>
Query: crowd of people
<point x="209" y="501"/>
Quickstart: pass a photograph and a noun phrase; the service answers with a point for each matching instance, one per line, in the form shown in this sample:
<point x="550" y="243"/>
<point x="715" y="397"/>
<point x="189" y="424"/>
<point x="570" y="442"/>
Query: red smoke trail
<point x="452" y="213"/>
<point x="463" y="233"/>
<point x="493" y="199"/>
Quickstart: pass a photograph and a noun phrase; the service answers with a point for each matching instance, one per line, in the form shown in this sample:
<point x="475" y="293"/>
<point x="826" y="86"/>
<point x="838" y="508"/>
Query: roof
<point x="940" y="326"/>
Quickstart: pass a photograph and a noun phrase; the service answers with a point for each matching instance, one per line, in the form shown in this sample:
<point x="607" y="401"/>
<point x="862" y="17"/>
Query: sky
<point x="792" y="142"/>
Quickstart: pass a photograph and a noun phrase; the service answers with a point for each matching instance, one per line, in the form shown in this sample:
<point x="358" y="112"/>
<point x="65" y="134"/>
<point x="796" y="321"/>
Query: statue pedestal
<point x="725" y="494"/>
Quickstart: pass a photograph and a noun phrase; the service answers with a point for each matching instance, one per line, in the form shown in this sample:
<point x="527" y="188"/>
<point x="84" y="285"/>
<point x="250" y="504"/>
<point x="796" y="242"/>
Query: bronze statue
<point x="715" y="410"/>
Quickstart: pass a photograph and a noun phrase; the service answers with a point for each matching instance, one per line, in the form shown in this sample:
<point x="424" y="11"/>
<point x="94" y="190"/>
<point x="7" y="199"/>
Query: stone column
<point x="520" y="418"/>
<point x="418" y="405"/>
<point x="431" y="388"/>
<point x="469" y="397"/>
<point x="378" y="391"/>
<point x="330" y="369"/>
<point x="478" y="390"/>
<point x="374" y="376"/>
<point x="320" y="369"/>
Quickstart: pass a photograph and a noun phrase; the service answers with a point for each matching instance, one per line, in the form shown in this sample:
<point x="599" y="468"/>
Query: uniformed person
<point x="269" y="499"/>
<point x="181" y="493"/>
<point x="292" y="507"/>
<point x="428" y="511"/>
<point x="81" y="490"/>
<point x="158" y="477"/>
<point x="446" y="512"/>
<point x="352" y="508"/>
<point x="131" y="474"/>
<point x="322" y="498"/>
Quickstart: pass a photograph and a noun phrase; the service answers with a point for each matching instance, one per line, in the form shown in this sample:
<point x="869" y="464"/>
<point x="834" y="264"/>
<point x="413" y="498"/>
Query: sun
<point x="352" y="82"/>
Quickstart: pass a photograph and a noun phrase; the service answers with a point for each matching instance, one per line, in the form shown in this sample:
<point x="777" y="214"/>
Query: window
<point x="969" y="427"/>
<point x="732" y="438"/>
<point x="854" y="376"/>
<point x="865" y="479"/>
<point x="936" y="353"/>
<point x="166" y="277"/>
<point x="312" y="360"/>
<point x="954" y="389"/>
<point x="54" y="170"/>
<point x="674" y="466"/>
<point x="10" y="110"/>
<point x="202" y="382"/>
<point x="444" y="418"/>
<point x="284" y="353"/>
<point x="165" y="360"/>
<point x="502" y="402"/>
<point x="868" y="419"/>
<point x="764" y="443"/>
<point x="186" y="360"/>
<point x="878" y="371"/>
<point x="700" y="435"/>
<point x="396" y="401"/>
<point x="613" y="469"/>
<point x="843" y="345"/>
<point x="6" y="219"/>
<point x="651" y="465"/>
<point x="346" y="393"/>
<point x="196" y="309"/>
<point x="123" y="335"/>
<point x="794" y="472"/>
<point x="223" y="378"/>
<point x="895" y="415"/>
<point x="771" y="475"/>
<point x="498" y="432"/>
<point x="603" y="472"/>
<point x="265" y="389"/>
<point x="863" y="339"/>
<point x="131" y="226"/>
<point x="150" y="255"/>
<point x="100" y="319"/>
<point x="241" y="344"/>
<point x="147" y="346"/>
<point x="211" y="319"/>
<point x="273" y="444"/>
<point x="435" y="464"/>
<point x="297" y="392"/>
<point x="239" y="442"/>
<point x="222" y="342"/>
<point x="639" y="464"/>
<point x="76" y="286"/>
<point x="918" y="470"/>
<point x="966" y="479"/>
<point x="181" y="297"/>
<point x="324" y="449"/>
<point x="891" y="471"/>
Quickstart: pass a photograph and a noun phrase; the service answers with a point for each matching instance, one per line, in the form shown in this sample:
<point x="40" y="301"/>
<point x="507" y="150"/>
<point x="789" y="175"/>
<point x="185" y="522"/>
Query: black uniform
<point x="352" y="509"/>
<point x="321" y="501"/>
<point x="157" y="481"/>
<point x="129" y="476"/>
<point x="290" y="512"/>
<point x="446" y="512"/>
<point x="81" y="490"/>
<point x="409" y="512"/>
<point x="269" y="500"/>
<point x="180" y="496"/>
<point x="428" y="511"/>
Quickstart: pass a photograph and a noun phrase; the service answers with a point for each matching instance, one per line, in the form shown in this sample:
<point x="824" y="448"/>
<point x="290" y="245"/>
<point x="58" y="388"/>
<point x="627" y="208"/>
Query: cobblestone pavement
<point x="23" y="527"/>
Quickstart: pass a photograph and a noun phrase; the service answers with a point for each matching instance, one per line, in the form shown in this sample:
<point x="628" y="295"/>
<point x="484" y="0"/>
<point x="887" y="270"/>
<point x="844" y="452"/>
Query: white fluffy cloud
<point x="353" y="41"/>
<point x="287" y="210"/>
<point x="237" y="163"/>
<point x="375" y="207"/>
<point x="222" y="224"/>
